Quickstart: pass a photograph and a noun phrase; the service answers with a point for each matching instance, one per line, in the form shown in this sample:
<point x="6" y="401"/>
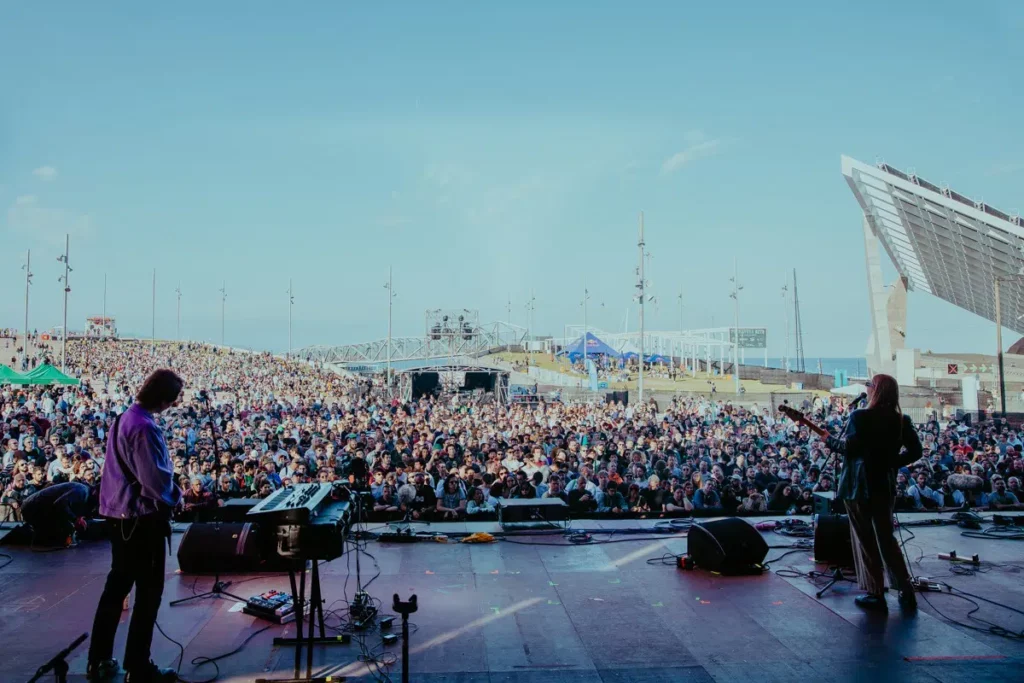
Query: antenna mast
<point x="798" y="328"/>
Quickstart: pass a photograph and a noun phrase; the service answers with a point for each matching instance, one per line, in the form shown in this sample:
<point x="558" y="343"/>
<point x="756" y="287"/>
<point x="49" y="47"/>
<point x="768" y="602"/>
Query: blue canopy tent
<point x="595" y="347"/>
<point x="658" y="358"/>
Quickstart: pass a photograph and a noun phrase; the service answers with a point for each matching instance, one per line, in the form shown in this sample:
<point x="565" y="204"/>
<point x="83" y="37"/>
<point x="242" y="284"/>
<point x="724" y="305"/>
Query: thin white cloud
<point x="45" y="173"/>
<point x="27" y="216"/>
<point x="697" y="148"/>
<point x="690" y="155"/>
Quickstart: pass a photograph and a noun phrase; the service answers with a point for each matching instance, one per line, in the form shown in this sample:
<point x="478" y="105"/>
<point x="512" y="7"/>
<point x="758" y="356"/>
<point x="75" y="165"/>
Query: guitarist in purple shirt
<point x="137" y="496"/>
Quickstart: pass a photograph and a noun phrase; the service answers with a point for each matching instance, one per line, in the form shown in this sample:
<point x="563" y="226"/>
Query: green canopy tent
<point x="9" y="376"/>
<point x="47" y="374"/>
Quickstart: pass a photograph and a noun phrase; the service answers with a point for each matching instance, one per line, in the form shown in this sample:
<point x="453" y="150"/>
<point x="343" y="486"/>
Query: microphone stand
<point x="59" y="665"/>
<point x="837" y="571"/>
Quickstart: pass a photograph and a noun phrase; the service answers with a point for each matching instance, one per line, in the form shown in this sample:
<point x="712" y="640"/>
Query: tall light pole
<point x="785" y="308"/>
<point x="177" y="329"/>
<point x="586" y="298"/>
<point x="530" y="306"/>
<point x="291" y="304"/>
<point x="682" y="351"/>
<point x="223" y="304"/>
<point x="67" y="290"/>
<point x="389" y="285"/>
<point x="508" y="308"/>
<point x="152" y="339"/>
<point x="28" y="281"/>
<point x="640" y="284"/>
<point x="735" y="296"/>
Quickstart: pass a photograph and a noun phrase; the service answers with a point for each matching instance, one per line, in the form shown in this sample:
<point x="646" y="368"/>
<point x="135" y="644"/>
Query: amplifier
<point x="546" y="511"/>
<point x="825" y="503"/>
<point x="233" y="510"/>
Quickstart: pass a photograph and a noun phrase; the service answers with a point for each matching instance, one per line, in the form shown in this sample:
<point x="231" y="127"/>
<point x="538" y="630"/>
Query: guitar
<point x="798" y="417"/>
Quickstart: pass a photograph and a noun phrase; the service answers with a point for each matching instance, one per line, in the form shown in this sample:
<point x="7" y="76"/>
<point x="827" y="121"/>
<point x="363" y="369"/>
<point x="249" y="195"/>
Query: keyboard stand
<point x="307" y="640"/>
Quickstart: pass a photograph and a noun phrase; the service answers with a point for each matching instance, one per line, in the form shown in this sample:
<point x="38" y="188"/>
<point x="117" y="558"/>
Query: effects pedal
<point x="924" y="586"/>
<point x="362" y="610"/>
<point x="273" y="606"/>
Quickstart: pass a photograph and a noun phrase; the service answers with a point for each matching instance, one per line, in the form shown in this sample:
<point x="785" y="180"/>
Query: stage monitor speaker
<point x="832" y="542"/>
<point x="727" y="546"/>
<point x="825" y="504"/>
<point x="617" y="397"/>
<point x="220" y="547"/>
<point x="233" y="510"/>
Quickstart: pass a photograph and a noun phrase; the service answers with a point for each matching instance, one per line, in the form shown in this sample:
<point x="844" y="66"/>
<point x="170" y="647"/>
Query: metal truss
<point x="942" y="242"/>
<point x="483" y="339"/>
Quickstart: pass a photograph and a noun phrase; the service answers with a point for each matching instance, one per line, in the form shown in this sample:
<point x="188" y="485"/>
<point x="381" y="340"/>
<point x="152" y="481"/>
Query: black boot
<point x="102" y="671"/>
<point x="908" y="598"/>
<point x="872" y="602"/>
<point x="151" y="673"/>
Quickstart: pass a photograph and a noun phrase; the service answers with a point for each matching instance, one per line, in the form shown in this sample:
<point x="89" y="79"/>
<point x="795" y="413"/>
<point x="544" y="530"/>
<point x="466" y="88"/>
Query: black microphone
<point x="856" y="401"/>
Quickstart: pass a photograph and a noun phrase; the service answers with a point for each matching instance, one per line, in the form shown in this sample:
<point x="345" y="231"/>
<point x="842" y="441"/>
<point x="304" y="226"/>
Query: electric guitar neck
<point x="798" y="417"/>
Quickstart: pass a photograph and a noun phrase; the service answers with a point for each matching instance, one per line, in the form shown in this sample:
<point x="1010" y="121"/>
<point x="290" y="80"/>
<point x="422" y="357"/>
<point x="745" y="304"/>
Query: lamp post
<point x="735" y="296"/>
<point x="152" y="338"/>
<point x="640" y="284"/>
<point x="682" y="350"/>
<point x="291" y="304"/>
<point x="177" y="328"/>
<point x="785" y="309"/>
<point x="391" y="297"/>
<point x="67" y="290"/>
<point x="530" y="306"/>
<point x="223" y="305"/>
<point x="28" y="282"/>
<point x="586" y="297"/>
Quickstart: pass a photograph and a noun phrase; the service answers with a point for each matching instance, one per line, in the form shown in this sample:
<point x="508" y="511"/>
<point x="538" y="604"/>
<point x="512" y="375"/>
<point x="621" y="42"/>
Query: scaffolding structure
<point x="476" y="340"/>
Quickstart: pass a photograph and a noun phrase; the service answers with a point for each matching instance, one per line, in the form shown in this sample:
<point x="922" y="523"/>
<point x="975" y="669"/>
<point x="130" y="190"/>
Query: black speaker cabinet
<point x="220" y="547"/>
<point x="832" y="542"/>
<point x="727" y="546"/>
<point x="234" y="510"/>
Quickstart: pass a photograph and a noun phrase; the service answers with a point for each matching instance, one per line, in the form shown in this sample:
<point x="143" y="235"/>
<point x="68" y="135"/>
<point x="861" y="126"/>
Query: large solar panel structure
<point x="941" y="243"/>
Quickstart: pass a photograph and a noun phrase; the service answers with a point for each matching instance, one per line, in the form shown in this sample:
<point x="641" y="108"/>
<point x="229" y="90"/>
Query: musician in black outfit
<point x="877" y="441"/>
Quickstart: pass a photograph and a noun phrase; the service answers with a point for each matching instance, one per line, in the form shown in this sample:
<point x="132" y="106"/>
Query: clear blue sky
<point x="483" y="149"/>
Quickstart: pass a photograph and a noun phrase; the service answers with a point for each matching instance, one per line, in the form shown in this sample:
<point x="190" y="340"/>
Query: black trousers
<point x="138" y="550"/>
<point x="875" y="547"/>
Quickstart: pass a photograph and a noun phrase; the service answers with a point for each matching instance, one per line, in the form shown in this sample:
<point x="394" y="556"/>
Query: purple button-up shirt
<point x="149" y="485"/>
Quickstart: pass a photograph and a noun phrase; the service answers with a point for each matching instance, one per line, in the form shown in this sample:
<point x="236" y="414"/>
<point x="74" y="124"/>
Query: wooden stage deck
<point x="531" y="613"/>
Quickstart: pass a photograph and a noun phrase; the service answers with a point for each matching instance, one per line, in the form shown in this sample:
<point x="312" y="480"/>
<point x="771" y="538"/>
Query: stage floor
<point x="526" y="612"/>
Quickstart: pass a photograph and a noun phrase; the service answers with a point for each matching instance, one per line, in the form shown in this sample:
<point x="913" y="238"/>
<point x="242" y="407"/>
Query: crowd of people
<point x="252" y="423"/>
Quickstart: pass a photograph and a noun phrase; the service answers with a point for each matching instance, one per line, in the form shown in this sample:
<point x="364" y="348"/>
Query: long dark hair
<point x="885" y="394"/>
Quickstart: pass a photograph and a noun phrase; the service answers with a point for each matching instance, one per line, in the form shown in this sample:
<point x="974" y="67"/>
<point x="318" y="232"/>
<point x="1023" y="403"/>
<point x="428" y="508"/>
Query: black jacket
<point x="55" y="508"/>
<point x="872" y="448"/>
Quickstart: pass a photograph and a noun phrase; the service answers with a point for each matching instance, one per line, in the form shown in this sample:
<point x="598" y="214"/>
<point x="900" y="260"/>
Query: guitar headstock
<point x="791" y="412"/>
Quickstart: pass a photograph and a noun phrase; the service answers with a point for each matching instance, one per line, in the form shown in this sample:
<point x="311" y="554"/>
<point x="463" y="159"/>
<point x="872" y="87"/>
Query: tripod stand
<point x="837" y="575"/>
<point x="217" y="591"/>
